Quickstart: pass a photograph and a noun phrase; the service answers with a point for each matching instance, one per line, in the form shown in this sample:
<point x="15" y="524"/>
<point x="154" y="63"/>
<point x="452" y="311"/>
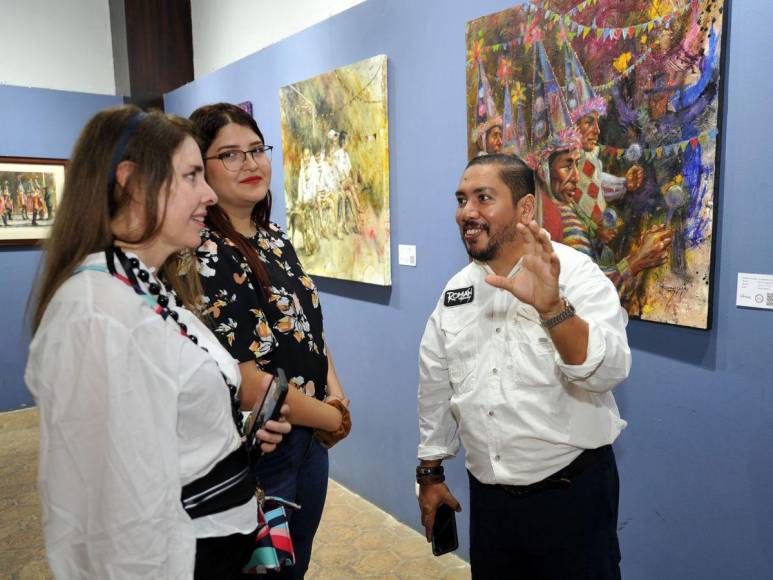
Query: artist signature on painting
<point x="675" y="291"/>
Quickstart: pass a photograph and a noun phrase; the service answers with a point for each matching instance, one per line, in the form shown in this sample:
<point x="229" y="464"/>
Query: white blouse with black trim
<point x="130" y="411"/>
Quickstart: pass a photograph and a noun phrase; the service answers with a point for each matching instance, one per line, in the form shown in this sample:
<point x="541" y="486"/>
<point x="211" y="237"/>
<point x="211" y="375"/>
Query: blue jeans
<point x="298" y="471"/>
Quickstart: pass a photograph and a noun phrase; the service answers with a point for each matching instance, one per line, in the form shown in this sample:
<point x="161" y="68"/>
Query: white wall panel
<point x="226" y="30"/>
<point x="54" y="44"/>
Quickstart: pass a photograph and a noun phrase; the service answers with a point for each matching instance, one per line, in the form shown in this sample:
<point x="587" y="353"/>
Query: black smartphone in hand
<point x="269" y="410"/>
<point x="444" y="538"/>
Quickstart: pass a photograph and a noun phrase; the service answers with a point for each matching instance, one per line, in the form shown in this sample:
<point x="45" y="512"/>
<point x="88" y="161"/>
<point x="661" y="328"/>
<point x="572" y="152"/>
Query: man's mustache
<point x="467" y="224"/>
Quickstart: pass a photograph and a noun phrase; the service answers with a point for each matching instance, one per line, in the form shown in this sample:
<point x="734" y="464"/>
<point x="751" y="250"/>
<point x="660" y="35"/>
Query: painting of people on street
<point x="615" y="105"/>
<point x="335" y="147"/>
<point x="30" y="191"/>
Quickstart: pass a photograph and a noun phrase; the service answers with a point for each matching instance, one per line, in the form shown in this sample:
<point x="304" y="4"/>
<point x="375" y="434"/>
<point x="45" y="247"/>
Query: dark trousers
<point x="298" y="471"/>
<point x="222" y="558"/>
<point x="556" y="533"/>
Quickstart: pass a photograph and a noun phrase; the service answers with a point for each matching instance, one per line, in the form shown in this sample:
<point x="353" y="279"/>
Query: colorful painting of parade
<point x="614" y="103"/>
<point x="28" y="199"/>
<point x="335" y="146"/>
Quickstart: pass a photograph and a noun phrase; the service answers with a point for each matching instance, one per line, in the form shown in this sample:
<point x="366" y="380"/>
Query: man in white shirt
<point x="517" y="363"/>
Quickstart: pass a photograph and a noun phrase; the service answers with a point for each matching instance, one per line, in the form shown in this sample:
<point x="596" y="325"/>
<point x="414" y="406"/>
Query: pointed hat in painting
<point x="513" y="129"/>
<point x="580" y="96"/>
<point x="486" y="115"/>
<point x="551" y="127"/>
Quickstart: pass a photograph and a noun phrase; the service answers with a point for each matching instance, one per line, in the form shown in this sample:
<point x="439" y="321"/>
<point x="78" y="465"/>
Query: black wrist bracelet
<point x="429" y="470"/>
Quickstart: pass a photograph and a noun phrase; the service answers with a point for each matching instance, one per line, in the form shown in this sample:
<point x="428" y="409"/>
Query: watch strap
<point x="565" y="314"/>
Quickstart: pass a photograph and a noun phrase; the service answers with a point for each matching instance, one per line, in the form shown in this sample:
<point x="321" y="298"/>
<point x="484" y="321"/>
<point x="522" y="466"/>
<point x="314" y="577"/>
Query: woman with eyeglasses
<point x="266" y="312"/>
<point x="143" y="470"/>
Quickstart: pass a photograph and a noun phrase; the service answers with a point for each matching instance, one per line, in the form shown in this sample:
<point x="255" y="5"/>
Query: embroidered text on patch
<point x="459" y="296"/>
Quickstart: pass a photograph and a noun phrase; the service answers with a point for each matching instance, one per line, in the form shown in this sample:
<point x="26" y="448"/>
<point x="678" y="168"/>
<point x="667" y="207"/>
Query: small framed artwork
<point x="30" y="192"/>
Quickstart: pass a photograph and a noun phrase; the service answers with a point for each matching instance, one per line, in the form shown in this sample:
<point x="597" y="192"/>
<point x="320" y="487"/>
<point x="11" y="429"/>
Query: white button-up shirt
<point x="491" y="377"/>
<point x="130" y="411"/>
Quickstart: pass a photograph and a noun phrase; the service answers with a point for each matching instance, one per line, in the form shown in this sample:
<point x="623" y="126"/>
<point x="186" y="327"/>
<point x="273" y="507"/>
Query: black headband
<point x="120" y="147"/>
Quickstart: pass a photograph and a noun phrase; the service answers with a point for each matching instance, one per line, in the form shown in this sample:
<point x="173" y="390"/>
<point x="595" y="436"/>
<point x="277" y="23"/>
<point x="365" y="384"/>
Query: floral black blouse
<point x="283" y="331"/>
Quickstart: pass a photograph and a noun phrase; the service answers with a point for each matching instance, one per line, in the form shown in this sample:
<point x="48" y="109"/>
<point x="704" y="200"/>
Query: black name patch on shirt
<point x="459" y="296"/>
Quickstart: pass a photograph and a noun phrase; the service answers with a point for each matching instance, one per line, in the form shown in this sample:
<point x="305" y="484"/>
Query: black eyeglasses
<point x="234" y="159"/>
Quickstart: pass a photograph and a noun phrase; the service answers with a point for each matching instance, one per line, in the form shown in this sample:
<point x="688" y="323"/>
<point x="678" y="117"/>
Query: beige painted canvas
<point x="335" y="145"/>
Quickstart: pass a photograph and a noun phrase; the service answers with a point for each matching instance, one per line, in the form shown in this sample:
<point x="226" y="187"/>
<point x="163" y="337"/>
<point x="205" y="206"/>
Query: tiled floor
<point x="21" y="544"/>
<point x="355" y="539"/>
<point x="358" y="540"/>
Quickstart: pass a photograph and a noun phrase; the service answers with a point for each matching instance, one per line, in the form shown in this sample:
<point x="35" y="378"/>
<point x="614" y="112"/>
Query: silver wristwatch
<point x="565" y="314"/>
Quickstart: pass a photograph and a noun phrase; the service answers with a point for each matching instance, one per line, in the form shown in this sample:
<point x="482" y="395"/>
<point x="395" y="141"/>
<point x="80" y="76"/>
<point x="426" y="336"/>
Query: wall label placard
<point x="755" y="291"/>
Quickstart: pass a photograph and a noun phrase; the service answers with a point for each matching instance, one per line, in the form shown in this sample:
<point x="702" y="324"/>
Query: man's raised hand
<point x="536" y="283"/>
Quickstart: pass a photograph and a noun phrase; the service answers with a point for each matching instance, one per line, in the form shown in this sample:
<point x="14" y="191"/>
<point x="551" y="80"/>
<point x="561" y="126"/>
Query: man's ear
<point x="527" y="206"/>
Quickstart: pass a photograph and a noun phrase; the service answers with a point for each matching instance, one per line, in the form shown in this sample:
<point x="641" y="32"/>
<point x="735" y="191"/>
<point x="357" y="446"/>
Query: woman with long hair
<point x="266" y="313"/>
<point x="143" y="472"/>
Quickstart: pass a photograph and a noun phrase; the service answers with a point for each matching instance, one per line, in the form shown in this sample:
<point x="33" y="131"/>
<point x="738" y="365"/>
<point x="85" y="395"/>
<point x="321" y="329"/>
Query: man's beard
<point x="506" y="235"/>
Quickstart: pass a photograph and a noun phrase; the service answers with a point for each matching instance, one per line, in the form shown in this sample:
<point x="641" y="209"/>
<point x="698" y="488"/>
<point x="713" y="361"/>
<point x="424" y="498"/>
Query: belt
<point x="562" y="478"/>
<point x="231" y="482"/>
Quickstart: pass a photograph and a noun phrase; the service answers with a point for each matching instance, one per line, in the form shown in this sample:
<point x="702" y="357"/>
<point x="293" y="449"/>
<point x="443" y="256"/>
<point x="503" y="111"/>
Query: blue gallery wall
<point x="696" y="462"/>
<point x="33" y="123"/>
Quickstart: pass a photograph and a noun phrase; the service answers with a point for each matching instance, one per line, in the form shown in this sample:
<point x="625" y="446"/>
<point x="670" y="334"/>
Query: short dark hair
<point x="513" y="171"/>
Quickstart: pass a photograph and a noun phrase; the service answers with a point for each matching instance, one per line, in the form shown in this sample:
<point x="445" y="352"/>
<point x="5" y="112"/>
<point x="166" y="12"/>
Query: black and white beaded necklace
<point x="134" y="271"/>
